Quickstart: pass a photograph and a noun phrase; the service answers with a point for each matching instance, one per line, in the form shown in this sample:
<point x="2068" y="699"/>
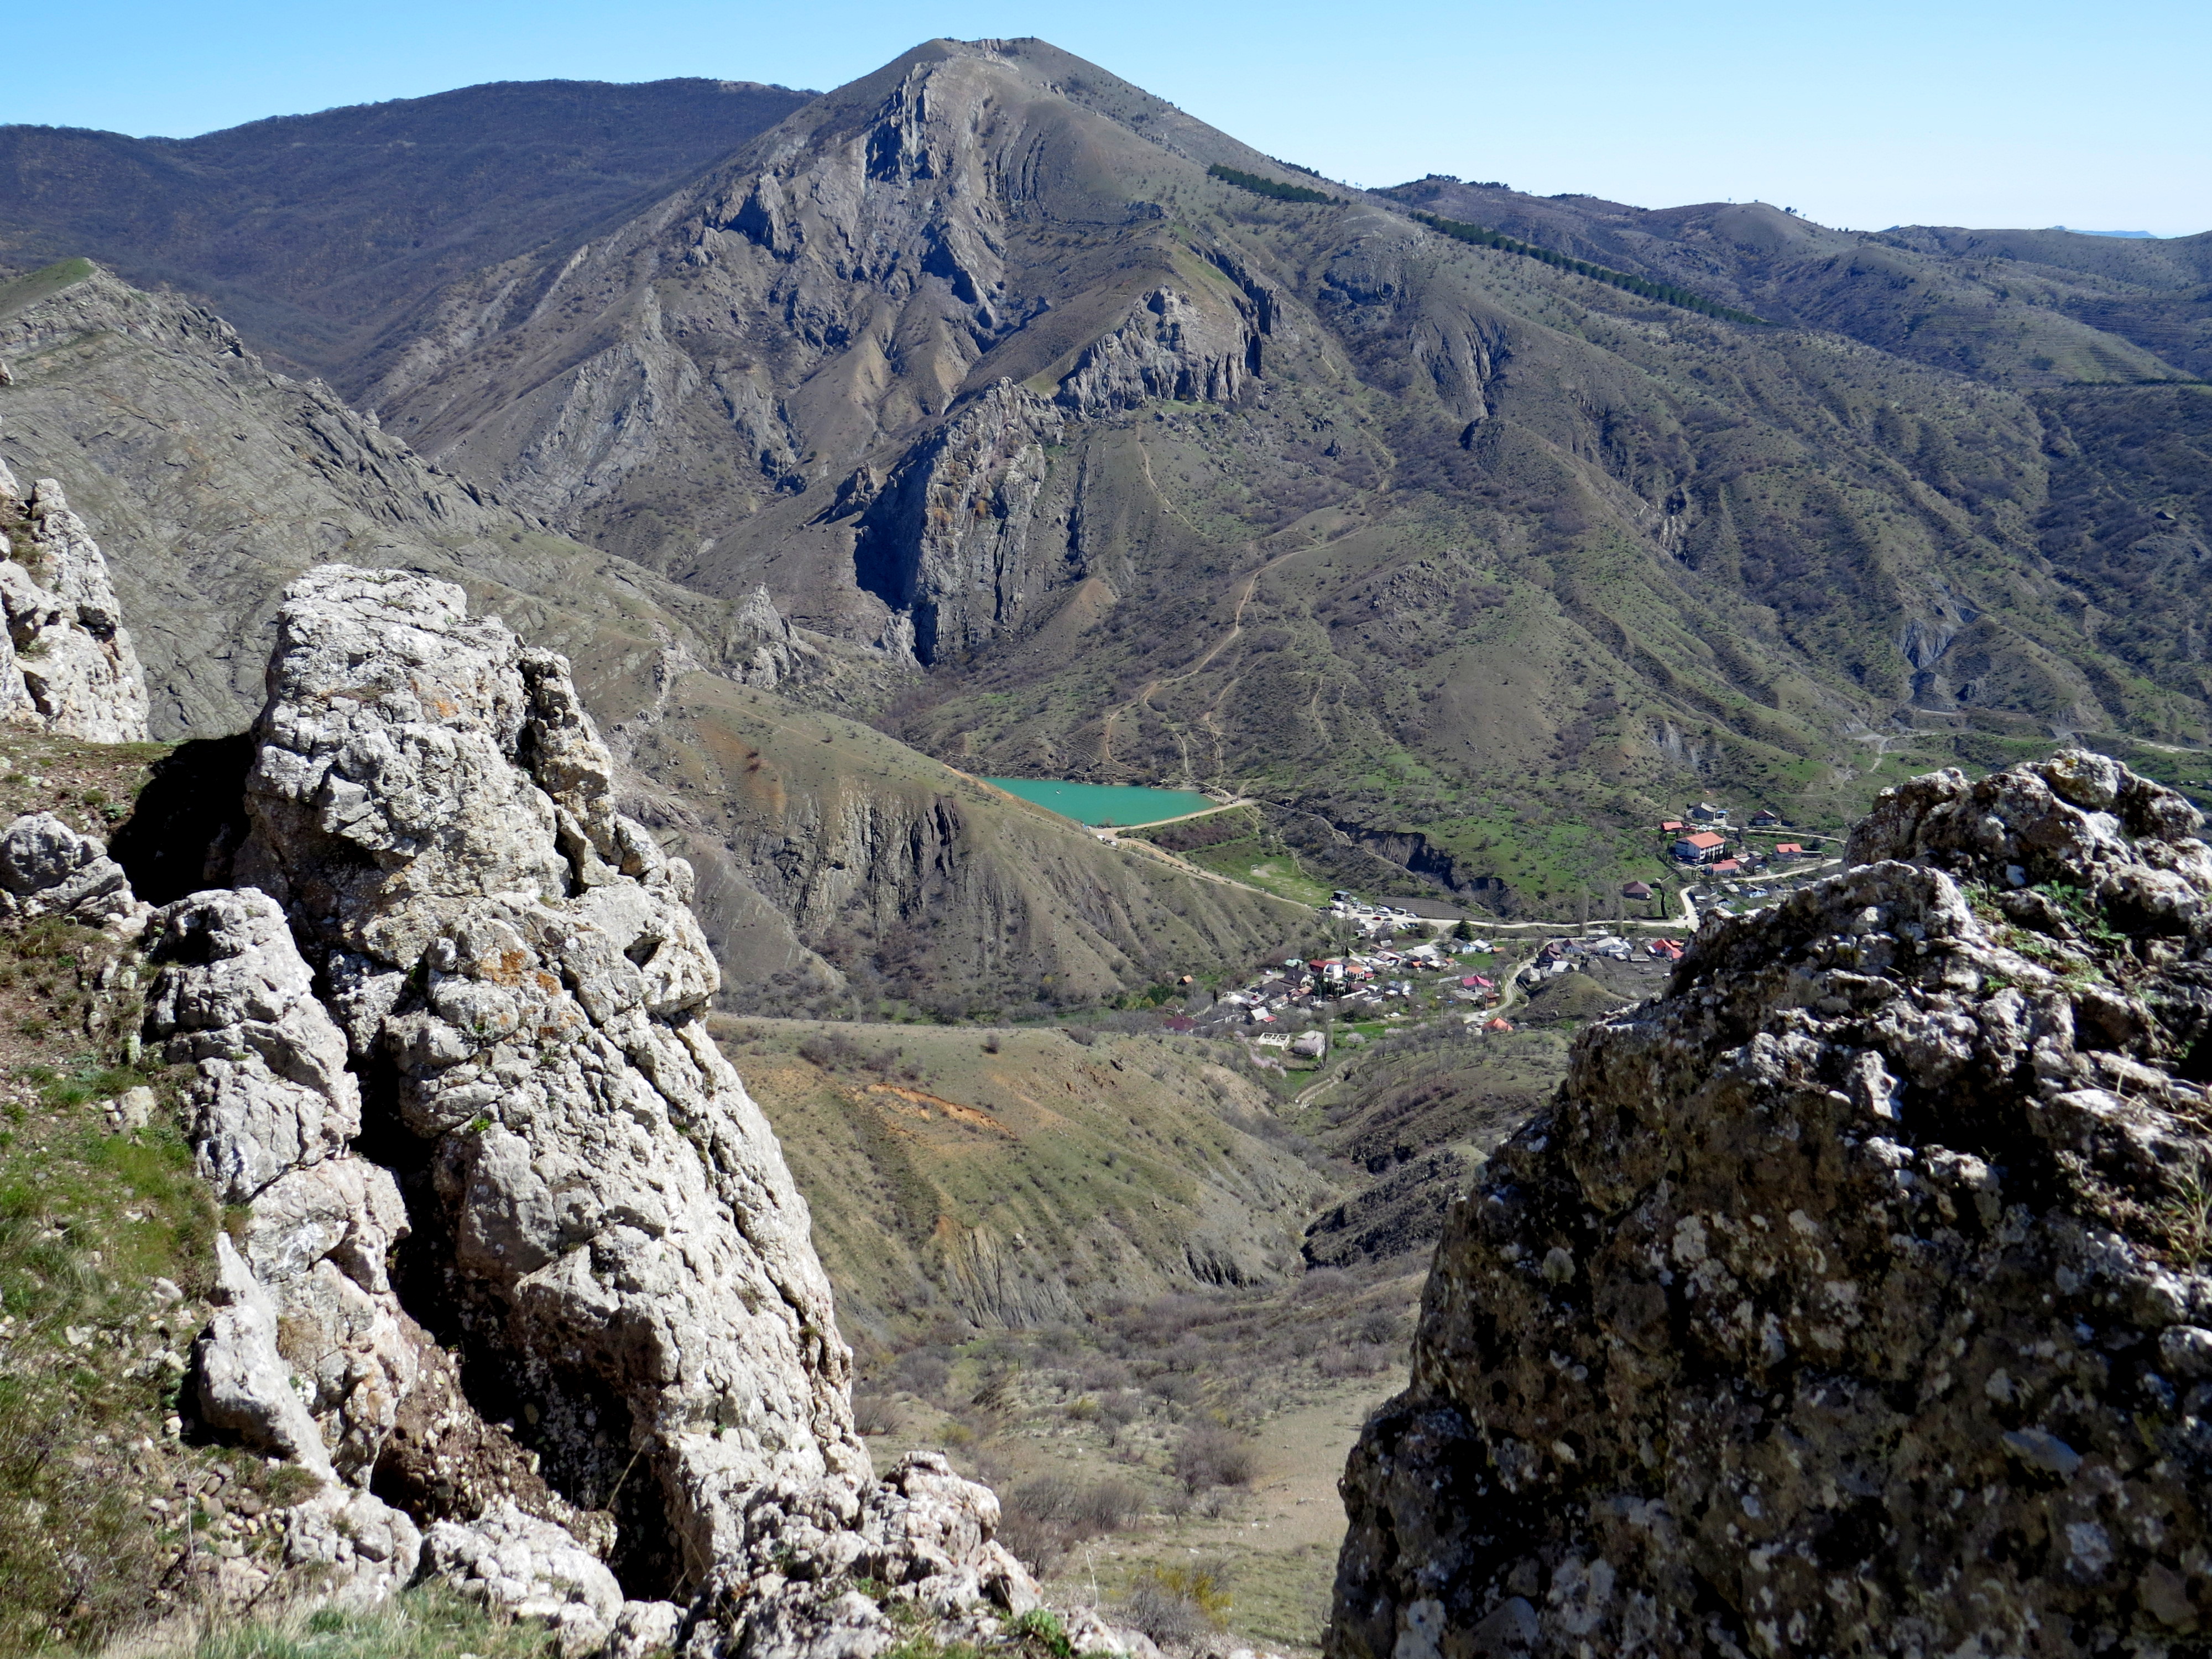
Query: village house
<point x="1699" y="847"/>
<point x="1789" y="850"/>
<point x="1667" y="950"/>
<point x="1766" y="819"/>
<point x="1639" y="891"/>
<point x="1705" y="812"/>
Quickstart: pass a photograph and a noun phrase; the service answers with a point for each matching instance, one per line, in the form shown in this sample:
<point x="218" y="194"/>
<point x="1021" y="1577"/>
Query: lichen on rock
<point x="1853" y="1296"/>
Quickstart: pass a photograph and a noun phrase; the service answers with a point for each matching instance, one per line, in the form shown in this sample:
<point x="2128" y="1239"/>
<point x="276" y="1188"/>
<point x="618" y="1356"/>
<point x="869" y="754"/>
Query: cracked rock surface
<point x="447" y="1046"/>
<point x="67" y="665"/>
<point x="49" y="869"/>
<point x="515" y="1271"/>
<point x="617" y="1232"/>
<point x="1853" y="1296"/>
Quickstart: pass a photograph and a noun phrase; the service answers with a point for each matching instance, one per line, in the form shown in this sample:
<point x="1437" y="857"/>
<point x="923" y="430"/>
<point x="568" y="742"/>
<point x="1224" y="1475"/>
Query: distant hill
<point x="2024" y="308"/>
<point x="315" y="234"/>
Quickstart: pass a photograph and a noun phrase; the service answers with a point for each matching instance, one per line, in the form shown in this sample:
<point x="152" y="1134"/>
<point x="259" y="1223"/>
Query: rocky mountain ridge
<point x="319" y="234"/>
<point x="713" y="707"/>
<point x="976" y="363"/>
<point x="1851" y="1296"/>
<point x="498" y="1170"/>
<point x="2025" y="307"/>
<point x="976" y="356"/>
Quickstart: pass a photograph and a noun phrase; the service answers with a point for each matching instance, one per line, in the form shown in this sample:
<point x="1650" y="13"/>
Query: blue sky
<point x="1863" y="115"/>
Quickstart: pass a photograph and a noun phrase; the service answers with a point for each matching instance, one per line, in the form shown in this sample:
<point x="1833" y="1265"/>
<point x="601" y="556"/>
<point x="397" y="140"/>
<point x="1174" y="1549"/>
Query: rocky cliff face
<point x="431" y="806"/>
<point x="66" y="662"/>
<point x="522" y="1284"/>
<point x="1856" y="1295"/>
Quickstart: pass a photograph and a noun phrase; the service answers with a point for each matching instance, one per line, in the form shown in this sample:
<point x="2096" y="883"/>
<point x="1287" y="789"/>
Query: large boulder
<point x="1853" y="1296"/>
<point x="48" y="869"/>
<point x="628" y="1252"/>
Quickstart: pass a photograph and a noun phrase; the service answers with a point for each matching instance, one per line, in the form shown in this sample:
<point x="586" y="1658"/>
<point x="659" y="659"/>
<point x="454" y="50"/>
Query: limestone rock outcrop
<point x="431" y="806"/>
<point x="1856" y="1296"/>
<point x="444" y="1055"/>
<point x="66" y="662"/>
<point x="947" y="542"/>
<point x="447" y="946"/>
<point x="48" y="869"/>
<point x="1201" y="350"/>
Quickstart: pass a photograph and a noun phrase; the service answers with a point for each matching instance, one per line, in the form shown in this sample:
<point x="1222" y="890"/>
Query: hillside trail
<point x="1244" y="587"/>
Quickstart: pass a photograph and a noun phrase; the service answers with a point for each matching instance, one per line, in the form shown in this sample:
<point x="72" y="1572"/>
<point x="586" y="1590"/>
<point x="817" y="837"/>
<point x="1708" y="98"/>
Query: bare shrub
<point x="828" y="1049"/>
<point x="923" y="1373"/>
<point x="1211" y="1455"/>
<point x="1043" y="1518"/>
<point x="1177" y="1388"/>
<point x="1378" y="1325"/>
<point x="1179" y="1605"/>
<point x="1353" y="1359"/>
<point x="1040" y="1546"/>
<point x="1190" y="1353"/>
<point x="1117" y="1410"/>
<point x="1100" y="1374"/>
<point x="874" y="1413"/>
<point x="1323" y="1281"/>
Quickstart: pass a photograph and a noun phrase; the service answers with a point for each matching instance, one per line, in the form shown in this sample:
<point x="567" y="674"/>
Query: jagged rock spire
<point x="66" y="662"/>
<point x="581" y="1195"/>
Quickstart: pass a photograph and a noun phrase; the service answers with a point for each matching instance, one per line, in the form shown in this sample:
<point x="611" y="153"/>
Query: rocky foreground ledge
<point x="1855" y="1296"/>
<point x="518" y="1282"/>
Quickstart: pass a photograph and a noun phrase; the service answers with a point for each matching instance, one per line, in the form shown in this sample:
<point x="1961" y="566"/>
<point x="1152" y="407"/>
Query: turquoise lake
<point x="1099" y="804"/>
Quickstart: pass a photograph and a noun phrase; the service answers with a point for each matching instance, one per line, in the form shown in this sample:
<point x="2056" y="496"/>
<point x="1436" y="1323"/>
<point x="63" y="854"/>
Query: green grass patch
<point x="1272" y="869"/>
<point x="429" y="1623"/>
<point x="43" y="284"/>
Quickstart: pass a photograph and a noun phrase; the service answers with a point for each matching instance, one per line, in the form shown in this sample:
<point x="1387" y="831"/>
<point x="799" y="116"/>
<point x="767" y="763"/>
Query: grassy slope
<point x="928" y="889"/>
<point x="105" y="1518"/>
<point x="1032" y="1185"/>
